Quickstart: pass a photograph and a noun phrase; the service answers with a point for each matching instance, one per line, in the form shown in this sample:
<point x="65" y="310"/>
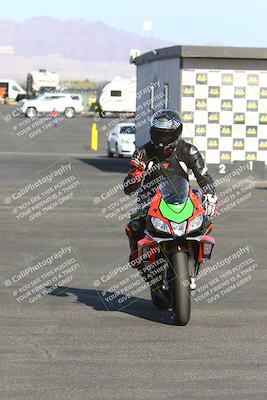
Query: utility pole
<point x="148" y="27"/>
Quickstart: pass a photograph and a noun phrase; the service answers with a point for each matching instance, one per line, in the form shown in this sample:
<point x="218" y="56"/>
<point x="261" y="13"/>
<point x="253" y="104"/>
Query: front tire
<point x="117" y="152"/>
<point x="181" y="301"/>
<point x="109" y="152"/>
<point x="103" y="114"/>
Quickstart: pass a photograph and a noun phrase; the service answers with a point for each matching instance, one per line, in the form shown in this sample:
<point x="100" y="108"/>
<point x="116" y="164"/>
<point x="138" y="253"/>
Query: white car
<point x="121" y="140"/>
<point x="69" y="104"/>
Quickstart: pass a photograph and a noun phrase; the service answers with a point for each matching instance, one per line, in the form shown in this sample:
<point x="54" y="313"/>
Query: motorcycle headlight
<point x="196" y="223"/>
<point x="179" y="229"/>
<point x="160" y="225"/>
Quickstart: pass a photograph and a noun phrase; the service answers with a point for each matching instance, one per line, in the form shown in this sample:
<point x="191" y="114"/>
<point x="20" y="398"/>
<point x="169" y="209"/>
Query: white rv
<point x="10" y="90"/>
<point x="118" y="96"/>
<point x="42" y="81"/>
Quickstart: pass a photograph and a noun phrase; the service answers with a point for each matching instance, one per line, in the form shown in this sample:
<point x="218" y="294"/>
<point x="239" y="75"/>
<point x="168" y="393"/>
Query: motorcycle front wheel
<point x="181" y="301"/>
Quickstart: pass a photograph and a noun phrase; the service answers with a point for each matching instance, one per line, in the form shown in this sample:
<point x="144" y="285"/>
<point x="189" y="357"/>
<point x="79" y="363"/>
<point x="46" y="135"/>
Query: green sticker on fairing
<point x="177" y="212"/>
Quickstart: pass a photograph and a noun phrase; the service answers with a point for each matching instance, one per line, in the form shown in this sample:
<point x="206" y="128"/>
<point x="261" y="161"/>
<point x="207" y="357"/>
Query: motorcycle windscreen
<point x="176" y="204"/>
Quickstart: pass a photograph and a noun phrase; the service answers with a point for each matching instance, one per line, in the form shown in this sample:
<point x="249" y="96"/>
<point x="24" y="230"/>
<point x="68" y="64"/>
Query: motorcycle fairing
<point x="177" y="212"/>
<point x="145" y="245"/>
<point x="206" y="244"/>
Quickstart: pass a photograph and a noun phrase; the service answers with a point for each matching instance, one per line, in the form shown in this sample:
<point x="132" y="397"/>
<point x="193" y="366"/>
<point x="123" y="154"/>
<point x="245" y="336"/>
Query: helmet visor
<point x="164" y="137"/>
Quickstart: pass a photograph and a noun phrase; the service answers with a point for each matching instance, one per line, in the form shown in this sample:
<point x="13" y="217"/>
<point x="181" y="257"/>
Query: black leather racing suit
<point x="186" y="156"/>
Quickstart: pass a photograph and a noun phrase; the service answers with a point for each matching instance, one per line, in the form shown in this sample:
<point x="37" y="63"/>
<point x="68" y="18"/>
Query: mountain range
<point x="76" y="49"/>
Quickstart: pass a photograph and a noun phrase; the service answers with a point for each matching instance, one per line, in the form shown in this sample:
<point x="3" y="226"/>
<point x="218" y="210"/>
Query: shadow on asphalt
<point x="260" y="188"/>
<point x="140" y="308"/>
<point x="105" y="164"/>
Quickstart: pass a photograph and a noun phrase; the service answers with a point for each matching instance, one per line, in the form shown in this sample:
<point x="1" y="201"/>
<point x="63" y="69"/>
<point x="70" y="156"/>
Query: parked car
<point x="121" y="140"/>
<point x="69" y="104"/>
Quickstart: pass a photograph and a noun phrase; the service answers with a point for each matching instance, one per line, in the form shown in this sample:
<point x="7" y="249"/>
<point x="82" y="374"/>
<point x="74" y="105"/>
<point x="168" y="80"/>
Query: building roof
<point x="201" y="52"/>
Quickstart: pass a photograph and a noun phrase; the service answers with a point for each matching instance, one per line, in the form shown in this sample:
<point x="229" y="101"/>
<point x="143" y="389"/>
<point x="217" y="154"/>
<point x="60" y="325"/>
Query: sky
<point x="196" y="22"/>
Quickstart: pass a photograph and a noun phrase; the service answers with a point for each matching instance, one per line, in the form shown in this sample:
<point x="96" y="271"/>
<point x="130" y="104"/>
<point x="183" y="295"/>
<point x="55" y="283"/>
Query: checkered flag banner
<point x="225" y="114"/>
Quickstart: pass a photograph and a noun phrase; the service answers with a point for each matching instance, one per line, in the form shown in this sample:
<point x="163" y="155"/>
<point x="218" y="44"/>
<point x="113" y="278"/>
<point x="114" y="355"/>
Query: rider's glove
<point x="137" y="164"/>
<point x="209" y="202"/>
<point x="137" y="169"/>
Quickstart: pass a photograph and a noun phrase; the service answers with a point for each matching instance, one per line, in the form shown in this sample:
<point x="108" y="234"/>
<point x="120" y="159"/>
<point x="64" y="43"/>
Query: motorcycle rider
<point x="165" y="154"/>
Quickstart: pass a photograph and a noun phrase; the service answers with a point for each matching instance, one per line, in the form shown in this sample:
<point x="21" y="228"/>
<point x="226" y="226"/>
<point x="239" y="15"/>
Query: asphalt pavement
<point x="69" y="344"/>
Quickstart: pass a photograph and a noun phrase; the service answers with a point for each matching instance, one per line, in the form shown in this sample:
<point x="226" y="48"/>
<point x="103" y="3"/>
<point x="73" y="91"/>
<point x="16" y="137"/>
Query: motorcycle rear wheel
<point x="181" y="301"/>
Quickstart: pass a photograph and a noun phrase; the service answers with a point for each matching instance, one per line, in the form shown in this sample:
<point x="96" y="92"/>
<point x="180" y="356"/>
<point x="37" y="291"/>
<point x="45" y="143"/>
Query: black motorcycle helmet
<point x="166" y="129"/>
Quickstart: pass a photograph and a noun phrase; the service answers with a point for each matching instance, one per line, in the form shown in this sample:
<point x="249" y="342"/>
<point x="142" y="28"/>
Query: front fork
<point x="197" y="248"/>
<point x="194" y="254"/>
<point x="201" y="251"/>
<point x="192" y="258"/>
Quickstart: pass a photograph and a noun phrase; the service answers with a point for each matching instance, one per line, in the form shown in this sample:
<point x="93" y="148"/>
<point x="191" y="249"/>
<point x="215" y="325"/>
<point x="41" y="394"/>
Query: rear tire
<point x="181" y="301"/>
<point x="31" y="112"/>
<point x="69" y="112"/>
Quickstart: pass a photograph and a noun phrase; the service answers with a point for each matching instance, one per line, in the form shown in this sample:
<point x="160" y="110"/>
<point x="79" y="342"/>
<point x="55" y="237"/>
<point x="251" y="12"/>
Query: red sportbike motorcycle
<point x="179" y="232"/>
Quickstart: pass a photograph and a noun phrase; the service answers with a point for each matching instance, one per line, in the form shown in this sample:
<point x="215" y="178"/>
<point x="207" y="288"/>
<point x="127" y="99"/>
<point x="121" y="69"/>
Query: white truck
<point x="117" y="96"/>
<point x="10" y="90"/>
<point x="42" y="81"/>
